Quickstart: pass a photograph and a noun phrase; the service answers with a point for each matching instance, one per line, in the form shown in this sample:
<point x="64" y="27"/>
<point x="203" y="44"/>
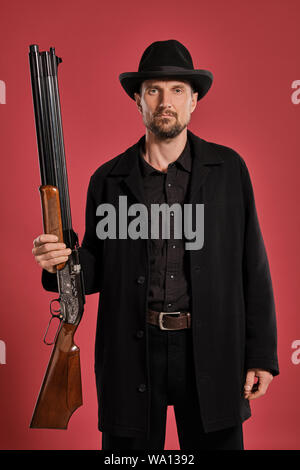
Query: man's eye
<point x="152" y="89"/>
<point x="179" y="90"/>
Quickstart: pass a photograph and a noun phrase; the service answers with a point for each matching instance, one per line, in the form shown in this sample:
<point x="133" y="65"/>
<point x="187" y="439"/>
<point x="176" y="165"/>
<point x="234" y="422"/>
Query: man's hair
<point x="139" y="91"/>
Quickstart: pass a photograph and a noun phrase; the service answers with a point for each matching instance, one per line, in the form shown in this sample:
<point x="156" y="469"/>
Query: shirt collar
<point x="184" y="160"/>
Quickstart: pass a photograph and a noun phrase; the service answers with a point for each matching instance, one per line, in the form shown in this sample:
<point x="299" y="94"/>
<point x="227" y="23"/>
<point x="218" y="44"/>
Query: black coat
<point x="233" y="312"/>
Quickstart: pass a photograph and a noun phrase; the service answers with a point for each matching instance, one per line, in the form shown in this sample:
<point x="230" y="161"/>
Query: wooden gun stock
<point x="61" y="385"/>
<point x="52" y="214"/>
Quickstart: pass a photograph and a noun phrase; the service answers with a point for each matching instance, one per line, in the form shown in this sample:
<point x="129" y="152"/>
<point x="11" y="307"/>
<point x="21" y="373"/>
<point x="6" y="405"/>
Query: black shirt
<point x="169" y="287"/>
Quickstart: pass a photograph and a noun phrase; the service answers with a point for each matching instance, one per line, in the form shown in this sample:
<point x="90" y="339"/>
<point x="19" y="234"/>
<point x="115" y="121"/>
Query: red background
<point x="252" y="50"/>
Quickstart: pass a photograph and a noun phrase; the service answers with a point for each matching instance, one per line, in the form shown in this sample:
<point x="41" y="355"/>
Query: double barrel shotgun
<point x="61" y="391"/>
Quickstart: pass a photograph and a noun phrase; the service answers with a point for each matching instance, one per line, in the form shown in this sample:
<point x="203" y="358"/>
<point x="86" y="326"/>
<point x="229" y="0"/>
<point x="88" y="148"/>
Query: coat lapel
<point x="204" y="158"/>
<point x="128" y="166"/>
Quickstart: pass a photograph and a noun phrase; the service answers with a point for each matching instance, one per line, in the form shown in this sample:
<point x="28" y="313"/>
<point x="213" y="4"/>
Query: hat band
<point x="164" y="68"/>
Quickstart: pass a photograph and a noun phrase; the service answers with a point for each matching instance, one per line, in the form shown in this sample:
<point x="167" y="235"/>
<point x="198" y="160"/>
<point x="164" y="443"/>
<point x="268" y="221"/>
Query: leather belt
<point x="169" y="320"/>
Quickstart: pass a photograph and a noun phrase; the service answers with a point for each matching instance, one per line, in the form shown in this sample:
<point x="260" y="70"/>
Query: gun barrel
<point x="50" y="140"/>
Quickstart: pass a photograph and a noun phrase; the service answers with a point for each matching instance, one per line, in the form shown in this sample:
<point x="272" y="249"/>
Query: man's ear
<point x="137" y="98"/>
<point x="194" y="101"/>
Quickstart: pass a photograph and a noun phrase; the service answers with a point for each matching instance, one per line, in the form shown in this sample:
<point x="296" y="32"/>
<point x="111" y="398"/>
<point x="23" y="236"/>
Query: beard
<point x="166" y="128"/>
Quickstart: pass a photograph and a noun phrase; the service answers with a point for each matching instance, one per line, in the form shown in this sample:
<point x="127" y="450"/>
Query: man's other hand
<point x="255" y="389"/>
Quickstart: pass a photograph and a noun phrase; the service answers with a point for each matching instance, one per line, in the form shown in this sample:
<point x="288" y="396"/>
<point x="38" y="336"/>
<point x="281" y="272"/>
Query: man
<point x="190" y="327"/>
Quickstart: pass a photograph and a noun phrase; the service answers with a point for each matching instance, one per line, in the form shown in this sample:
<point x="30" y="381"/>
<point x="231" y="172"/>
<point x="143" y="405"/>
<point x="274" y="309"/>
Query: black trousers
<point x="173" y="383"/>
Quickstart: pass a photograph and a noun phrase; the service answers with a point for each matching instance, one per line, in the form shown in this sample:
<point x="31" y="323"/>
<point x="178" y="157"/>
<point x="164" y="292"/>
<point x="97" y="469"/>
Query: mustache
<point x="168" y="113"/>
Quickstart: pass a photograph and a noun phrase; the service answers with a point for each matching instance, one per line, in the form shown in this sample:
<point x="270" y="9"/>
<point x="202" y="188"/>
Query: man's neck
<point x="160" y="153"/>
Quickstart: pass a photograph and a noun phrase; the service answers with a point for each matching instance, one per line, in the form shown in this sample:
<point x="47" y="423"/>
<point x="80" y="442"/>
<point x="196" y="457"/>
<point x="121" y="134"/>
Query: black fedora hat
<point x="167" y="59"/>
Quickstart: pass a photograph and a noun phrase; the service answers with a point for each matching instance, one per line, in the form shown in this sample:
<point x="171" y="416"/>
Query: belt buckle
<point x="160" y="319"/>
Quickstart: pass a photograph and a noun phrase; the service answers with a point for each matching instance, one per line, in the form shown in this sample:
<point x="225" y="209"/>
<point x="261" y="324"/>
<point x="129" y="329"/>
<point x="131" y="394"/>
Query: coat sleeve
<point x="261" y="329"/>
<point x="90" y="252"/>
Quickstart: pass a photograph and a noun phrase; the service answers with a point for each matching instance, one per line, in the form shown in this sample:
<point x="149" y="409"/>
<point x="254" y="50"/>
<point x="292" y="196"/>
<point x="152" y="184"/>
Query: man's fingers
<point x="52" y="262"/>
<point x="261" y="389"/>
<point x="249" y="381"/>
<point x="53" y="254"/>
<point x="52" y="258"/>
<point x="44" y="238"/>
<point x="60" y="259"/>
<point x="48" y="248"/>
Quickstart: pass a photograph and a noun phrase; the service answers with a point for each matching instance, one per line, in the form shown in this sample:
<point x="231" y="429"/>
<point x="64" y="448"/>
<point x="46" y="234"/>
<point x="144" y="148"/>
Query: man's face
<point x="166" y="106"/>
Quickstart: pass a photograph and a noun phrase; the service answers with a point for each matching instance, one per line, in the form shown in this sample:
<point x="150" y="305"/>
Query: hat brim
<point x="201" y="80"/>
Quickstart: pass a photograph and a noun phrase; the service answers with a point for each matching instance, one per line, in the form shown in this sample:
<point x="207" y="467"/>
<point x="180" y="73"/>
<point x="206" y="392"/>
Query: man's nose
<point x="165" y="99"/>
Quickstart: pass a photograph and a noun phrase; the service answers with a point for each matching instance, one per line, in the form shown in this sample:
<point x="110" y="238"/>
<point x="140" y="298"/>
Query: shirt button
<point x="169" y="184"/>
<point x="169" y="305"/>
<point x="173" y="246"/>
<point x="172" y="276"/>
<point x="172" y="213"/>
<point x="141" y="279"/>
<point x="140" y="334"/>
<point x="142" y="388"/>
